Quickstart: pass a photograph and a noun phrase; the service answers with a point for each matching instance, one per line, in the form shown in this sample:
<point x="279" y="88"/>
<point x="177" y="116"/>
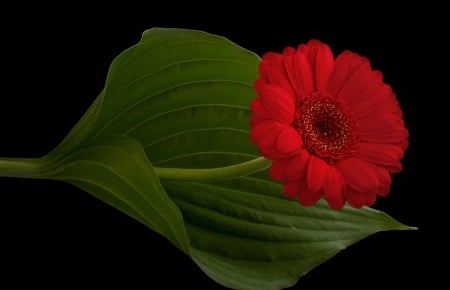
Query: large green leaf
<point x="179" y="99"/>
<point x="116" y="170"/>
<point x="246" y="236"/>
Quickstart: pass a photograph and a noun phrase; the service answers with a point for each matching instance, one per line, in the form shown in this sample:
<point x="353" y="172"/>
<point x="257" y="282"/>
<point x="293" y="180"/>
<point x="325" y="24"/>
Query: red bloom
<point x="332" y="127"/>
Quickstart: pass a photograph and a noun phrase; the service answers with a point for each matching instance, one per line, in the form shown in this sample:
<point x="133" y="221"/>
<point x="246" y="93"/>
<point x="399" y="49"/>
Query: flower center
<point x="326" y="126"/>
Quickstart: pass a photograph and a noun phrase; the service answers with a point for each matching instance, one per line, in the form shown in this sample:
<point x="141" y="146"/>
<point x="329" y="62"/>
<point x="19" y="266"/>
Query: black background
<point x="54" y="64"/>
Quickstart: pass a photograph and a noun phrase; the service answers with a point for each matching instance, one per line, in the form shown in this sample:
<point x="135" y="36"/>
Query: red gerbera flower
<point x="332" y="127"/>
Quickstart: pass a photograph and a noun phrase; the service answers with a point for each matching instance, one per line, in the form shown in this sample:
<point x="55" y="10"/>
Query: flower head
<point x="332" y="127"/>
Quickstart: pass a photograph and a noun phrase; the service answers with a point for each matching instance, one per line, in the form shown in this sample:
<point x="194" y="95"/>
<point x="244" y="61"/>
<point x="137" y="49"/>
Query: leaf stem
<point x="20" y="167"/>
<point x="212" y="174"/>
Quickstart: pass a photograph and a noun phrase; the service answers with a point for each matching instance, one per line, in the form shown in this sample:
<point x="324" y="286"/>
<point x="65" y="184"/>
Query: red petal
<point x="370" y="199"/>
<point x="255" y="119"/>
<point x="277" y="102"/>
<point x="277" y="168"/>
<point x="317" y="173"/>
<point x="299" y="73"/>
<point x="350" y="77"/>
<point x="265" y="134"/>
<point x="321" y="61"/>
<point x="288" y="141"/>
<point x="380" y="99"/>
<point x="361" y="85"/>
<point x="272" y="71"/>
<point x="358" y="174"/>
<point x="256" y="106"/>
<point x="272" y="57"/>
<point x="397" y="137"/>
<point x="355" y="198"/>
<point x="385" y="180"/>
<point x="381" y="124"/>
<point x="272" y="154"/>
<point x="292" y="188"/>
<point x="265" y="129"/>
<point x="289" y="51"/>
<point x="360" y="199"/>
<point x="297" y="166"/>
<point x="386" y="155"/>
<point x="270" y="60"/>
<point x="333" y="188"/>
<point x="307" y="197"/>
<point x="374" y="130"/>
<point x="385" y="186"/>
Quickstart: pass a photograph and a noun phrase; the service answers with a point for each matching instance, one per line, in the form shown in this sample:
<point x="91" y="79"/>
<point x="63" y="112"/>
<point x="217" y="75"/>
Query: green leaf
<point x="245" y="235"/>
<point x="173" y="81"/>
<point x="116" y="170"/>
<point x="180" y="99"/>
